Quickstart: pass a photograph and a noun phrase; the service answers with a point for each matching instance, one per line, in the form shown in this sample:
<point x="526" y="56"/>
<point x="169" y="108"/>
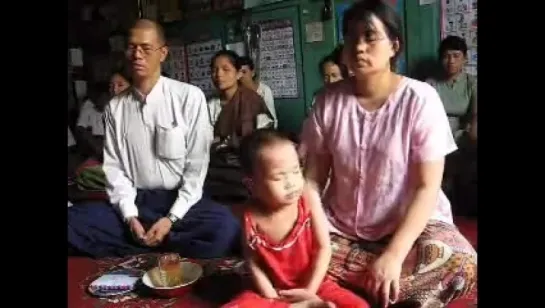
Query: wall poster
<point x="175" y="65"/>
<point x="253" y="3"/>
<point x="459" y="18"/>
<point x="277" y="58"/>
<point x="199" y="55"/>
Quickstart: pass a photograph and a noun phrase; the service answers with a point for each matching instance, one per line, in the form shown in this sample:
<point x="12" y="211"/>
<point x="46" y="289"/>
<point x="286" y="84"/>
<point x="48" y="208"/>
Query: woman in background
<point x="235" y="111"/>
<point x="90" y="125"/>
<point x="332" y="68"/>
<point x="384" y="138"/>
<point x="119" y="82"/>
<point x="248" y="79"/>
<point x="89" y="177"/>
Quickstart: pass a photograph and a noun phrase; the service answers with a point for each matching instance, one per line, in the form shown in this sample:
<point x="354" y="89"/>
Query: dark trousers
<point x="208" y="230"/>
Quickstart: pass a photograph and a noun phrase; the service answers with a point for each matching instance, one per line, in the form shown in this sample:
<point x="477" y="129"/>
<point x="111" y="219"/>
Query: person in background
<point x="384" y="138"/>
<point x="286" y="240"/>
<point x="343" y="61"/>
<point x="155" y="159"/>
<point x="236" y="111"/>
<point x="89" y="176"/>
<point x="119" y="82"/>
<point x="72" y="162"/>
<point x="473" y="127"/>
<point x="71" y="140"/>
<point x="90" y="123"/>
<point x="248" y="79"/>
<point x="457" y="89"/>
<point x="73" y="157"/>
<point x="460" y="178"/>
<point x="331" y="67"/>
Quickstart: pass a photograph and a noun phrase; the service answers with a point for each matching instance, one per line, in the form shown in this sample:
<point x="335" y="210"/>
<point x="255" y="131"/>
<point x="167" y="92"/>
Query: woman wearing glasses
<point x="384" y="138"/>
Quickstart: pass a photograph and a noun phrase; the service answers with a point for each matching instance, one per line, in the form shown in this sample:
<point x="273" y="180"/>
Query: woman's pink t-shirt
<point x="372" y="153"/>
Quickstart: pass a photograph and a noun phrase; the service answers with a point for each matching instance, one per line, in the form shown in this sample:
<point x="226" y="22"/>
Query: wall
<point x="423" y="36"/>
<point x="314" y="52"/>
<point x="291" y="112"/>
<point x="421" y="32"/>
<point x="294" y="111"/>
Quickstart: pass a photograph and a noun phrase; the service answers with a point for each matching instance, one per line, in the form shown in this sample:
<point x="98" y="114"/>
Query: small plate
<point x="99" y="293"/>
<point x="128" y="278"/>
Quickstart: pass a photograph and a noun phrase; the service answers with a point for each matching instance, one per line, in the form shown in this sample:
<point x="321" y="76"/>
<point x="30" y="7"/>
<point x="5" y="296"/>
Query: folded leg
<point x="250" y="299"/>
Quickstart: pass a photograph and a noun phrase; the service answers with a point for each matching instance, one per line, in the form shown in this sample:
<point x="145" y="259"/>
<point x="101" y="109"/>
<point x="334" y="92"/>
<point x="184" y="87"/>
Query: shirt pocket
<point x="170" y="141"/>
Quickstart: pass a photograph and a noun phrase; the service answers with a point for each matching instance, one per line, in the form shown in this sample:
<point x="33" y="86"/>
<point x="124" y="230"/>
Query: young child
<point x="286" y="239"/>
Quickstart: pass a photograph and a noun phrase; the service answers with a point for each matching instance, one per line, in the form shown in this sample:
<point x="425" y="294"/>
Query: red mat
<point x="82" y="271"/>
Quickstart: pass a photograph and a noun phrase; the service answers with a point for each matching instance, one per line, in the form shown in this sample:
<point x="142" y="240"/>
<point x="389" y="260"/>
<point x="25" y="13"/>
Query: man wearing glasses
<point x="156" y="157"/>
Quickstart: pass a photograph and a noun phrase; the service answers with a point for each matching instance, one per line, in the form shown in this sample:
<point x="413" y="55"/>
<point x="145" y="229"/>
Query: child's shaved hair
<point x="255" y="142"/>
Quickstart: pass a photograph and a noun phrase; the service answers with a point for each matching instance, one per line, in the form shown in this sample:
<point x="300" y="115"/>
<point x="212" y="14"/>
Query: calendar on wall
<point x="277" y="64"/>
<point x="175" y="65"/>
<point x="459" y="18"/>
<point x="199" y="55"/>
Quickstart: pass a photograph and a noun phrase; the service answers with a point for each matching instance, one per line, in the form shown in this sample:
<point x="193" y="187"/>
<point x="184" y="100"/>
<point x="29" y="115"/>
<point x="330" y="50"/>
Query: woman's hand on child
<point x="382" y="280"/>
<point x="296" y="295"/>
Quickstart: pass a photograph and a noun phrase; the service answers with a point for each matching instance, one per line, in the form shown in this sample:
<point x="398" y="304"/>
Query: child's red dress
<point x="289" y="264"/>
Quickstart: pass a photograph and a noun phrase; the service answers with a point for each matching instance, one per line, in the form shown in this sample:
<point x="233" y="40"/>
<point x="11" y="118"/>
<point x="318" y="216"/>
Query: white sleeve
<point x="198" y="140"/>
<point x="120" y="189"/>
<point x="83" y="118"/>
<point x="269" y="101"/>
<point x="71" y="140"/>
